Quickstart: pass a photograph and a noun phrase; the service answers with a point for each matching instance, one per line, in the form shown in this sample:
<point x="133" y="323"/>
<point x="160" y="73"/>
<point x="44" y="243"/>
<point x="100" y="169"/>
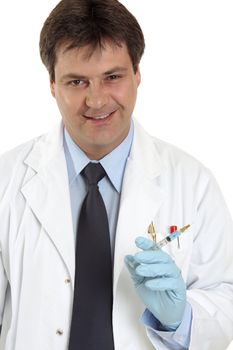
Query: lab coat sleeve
<point x="210" y="276"/>
<point x="178" y="340"/>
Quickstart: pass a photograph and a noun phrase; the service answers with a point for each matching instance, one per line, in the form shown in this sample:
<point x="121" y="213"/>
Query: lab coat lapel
<point x="141" y="197"/>
<point x="47" y="193"/>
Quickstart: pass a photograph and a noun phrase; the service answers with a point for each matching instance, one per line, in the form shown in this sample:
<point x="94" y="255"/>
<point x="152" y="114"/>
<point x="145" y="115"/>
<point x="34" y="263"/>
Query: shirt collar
<point x="113" y="163"/>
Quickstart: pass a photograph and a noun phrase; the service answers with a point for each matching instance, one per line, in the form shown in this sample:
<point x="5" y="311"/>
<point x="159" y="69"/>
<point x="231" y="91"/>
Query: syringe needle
<point x="184" y="228"/>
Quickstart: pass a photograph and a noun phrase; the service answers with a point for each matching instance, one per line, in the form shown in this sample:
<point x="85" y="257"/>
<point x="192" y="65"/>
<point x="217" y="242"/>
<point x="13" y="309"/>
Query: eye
<point x="77" y="82"/>
<point x="113" y="77"/>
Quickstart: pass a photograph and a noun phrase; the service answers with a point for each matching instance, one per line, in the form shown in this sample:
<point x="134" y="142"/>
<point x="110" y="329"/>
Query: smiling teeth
<point x="102" y="116"/>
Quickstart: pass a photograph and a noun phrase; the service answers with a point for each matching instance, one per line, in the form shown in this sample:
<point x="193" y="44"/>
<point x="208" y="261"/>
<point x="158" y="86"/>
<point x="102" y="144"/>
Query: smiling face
<point x="96" y="95"/>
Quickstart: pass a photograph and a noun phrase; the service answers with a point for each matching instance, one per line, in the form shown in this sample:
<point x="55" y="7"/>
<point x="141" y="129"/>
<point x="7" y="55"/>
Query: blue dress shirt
<point x="110" y="188"/>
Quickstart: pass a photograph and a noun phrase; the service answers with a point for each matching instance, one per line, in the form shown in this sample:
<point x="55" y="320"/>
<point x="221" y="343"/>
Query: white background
<point x="187" y="77"/>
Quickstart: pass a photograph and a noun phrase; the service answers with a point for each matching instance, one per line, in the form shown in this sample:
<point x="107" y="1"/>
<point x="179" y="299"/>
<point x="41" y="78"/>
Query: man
<point x="73" y="202"/>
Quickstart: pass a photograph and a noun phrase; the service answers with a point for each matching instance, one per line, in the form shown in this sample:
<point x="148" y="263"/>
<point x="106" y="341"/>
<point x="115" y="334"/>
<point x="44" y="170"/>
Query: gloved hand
<point x="158" y="282"/>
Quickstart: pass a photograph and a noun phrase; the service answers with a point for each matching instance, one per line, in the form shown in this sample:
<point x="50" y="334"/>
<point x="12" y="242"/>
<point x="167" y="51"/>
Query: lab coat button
<point x="59" y="332"/>
<point x="67" y="281"/>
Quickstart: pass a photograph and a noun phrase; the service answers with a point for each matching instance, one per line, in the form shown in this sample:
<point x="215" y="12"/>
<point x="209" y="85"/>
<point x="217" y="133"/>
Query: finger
<point x="131" y="265"/>
<point x="144" y="243"/>
<point x="158" y="270"/>
<point x="167" y="284"/>
<point x="152" y="256"/>
<point x="130" y="262"/>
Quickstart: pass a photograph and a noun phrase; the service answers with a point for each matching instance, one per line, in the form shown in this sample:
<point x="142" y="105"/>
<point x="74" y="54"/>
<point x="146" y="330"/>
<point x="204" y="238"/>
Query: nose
<point x="96" y="97"/>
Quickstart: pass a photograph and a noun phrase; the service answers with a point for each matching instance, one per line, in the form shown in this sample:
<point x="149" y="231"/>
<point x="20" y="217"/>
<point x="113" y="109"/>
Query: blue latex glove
<point x="158" y="282"/>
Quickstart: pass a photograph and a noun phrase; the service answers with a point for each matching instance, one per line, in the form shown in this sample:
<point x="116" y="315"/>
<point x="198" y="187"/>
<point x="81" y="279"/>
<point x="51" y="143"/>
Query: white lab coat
<point x="230" y="347"/>
<point x="37" y="251"/>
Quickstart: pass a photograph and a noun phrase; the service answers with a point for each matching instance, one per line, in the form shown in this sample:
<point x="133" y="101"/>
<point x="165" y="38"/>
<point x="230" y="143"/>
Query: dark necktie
<point x="91" y="326"/>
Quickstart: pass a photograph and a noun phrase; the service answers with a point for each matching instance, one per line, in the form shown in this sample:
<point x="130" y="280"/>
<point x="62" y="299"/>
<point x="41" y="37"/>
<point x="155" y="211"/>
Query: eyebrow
<point x="116" y="69"/>
<point x="76" y="76"/>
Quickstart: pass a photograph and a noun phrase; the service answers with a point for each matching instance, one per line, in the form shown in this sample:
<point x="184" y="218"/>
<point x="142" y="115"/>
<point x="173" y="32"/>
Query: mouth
<point x="99" y="118"/>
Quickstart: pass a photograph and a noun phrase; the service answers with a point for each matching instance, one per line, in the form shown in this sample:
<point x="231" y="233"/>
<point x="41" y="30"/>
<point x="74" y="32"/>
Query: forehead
<point x="98" y="59"/>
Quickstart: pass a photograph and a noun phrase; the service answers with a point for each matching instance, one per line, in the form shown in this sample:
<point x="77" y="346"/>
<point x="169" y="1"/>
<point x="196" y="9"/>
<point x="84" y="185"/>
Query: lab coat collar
<point x="144" y="152"/>
<point x="45" y="148"/>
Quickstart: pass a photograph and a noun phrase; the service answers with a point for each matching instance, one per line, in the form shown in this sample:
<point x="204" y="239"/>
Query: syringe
<point x="170" y="237"/>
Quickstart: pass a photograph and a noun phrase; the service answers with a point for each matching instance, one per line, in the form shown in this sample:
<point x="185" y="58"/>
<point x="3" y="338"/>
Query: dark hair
<point x="77" y="23"/>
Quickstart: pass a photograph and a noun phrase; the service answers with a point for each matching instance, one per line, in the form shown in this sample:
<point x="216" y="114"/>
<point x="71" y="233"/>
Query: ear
<point x="138" y="76"/>
<point x="52" y="87"/>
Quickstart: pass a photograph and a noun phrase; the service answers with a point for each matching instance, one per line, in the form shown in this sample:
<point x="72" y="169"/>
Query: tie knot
<point x="93" y="173"/>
